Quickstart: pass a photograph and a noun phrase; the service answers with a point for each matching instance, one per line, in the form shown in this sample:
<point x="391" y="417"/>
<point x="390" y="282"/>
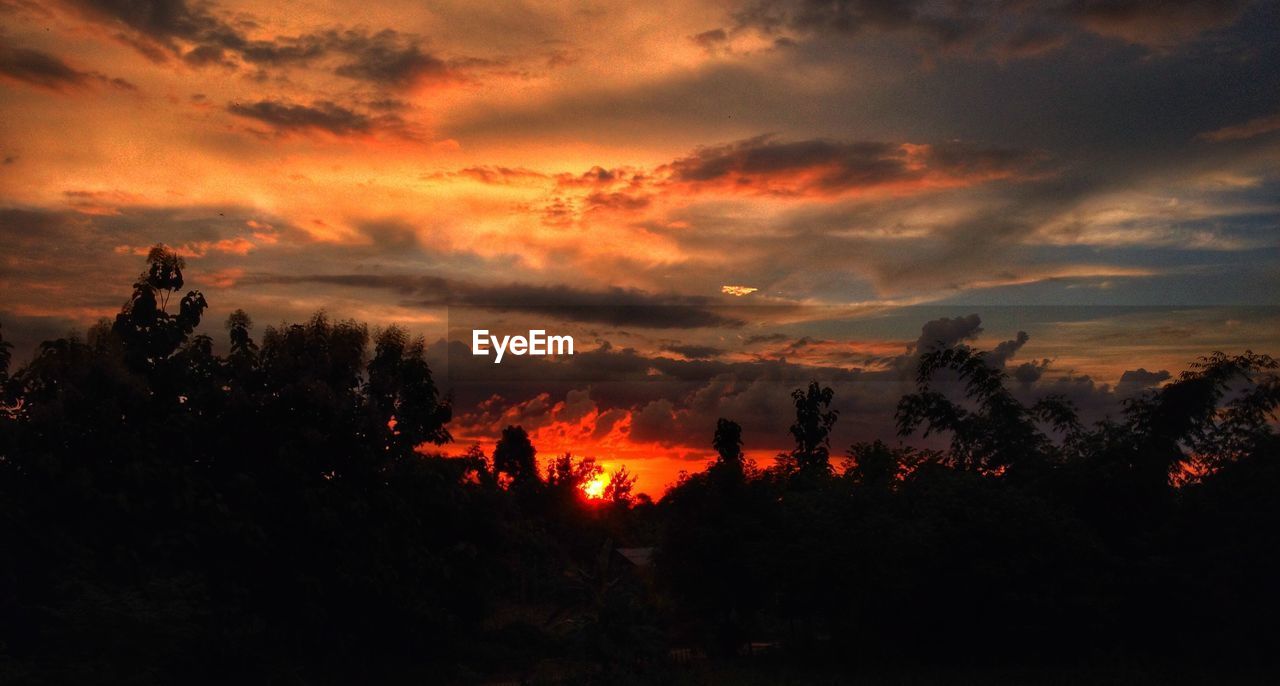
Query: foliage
<point x="812" y="429"/>
<point x="170" y="514"/>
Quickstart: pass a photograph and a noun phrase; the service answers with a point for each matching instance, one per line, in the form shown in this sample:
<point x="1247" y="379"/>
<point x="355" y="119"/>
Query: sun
<point x="594" y="489"/>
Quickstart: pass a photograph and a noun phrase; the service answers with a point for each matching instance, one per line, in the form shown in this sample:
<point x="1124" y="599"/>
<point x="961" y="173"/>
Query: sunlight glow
<point x="594" y="489"/>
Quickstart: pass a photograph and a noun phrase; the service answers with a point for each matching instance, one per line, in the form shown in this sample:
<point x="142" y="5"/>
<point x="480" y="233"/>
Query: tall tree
<point x="812" y="429"/>
<point x="515" y="458"/>
<point x="995" y="432"/>
<point x="146" y="329"/>
<point x="402" y="395"/>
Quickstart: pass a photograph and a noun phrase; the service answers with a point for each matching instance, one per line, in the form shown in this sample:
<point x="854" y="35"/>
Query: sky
<point x="719" y="200"/>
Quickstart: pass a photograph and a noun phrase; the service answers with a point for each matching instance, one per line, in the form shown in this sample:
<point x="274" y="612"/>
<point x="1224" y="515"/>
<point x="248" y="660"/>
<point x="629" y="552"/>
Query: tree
<point x="727" y="442"/>
<point x="999" y="432"/>
<point x="1186" y="426"/>
<point x="812" y="429"/>
<point x="243" y="349"/>
<point x="566" y="474"/>
<point x="149" y="333"/>
<point x="515" y="458"/>
<point x="621" y="483"/>
<point x="402" y="396"/>
<point x="872" y="464"/>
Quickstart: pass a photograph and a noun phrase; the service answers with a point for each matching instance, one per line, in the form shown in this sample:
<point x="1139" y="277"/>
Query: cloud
<point x="323" y="116"/>
<point x="765" y="338"/>
<point x="818" y="167"/>
<point x="1257" y="126"/>
<point x="100" y="202"/>
<point x="1138" y="380"/>
<point x="1005" y="350"/>
<point x="613" y="306"/>
<point x="196" y="33"/>
<point x="694" y="352"/>
<point x="386" y="58"/>
<point x="1154" y="22"/>
<point x="43" y="70"/>
<point x="763" y="166"/>
<point x="1028" y="373"/>
<point x="952" y="23"/>
<point x="1001" y="30"/>
<point x="714" y="41"/>
<point x="947" y="332"/>
<point x="498" y="175"/>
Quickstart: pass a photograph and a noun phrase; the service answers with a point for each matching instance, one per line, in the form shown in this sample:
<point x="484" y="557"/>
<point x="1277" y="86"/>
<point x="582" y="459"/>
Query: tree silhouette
<point x="999" y="432"/>
<point x="727" y="442"/>
<point x="1186" y="424"/>
<point x="403" y="398"/>
<point x="243" y="350"/>
<point x="514" y="457"/>
<point x="147" y="331"/>
<point x="172" y="515"/>
<point x="619" y="489"/>
<point x="812" y="428"/>
<point x="873" y="464"/>
<point x="567" y="475"/>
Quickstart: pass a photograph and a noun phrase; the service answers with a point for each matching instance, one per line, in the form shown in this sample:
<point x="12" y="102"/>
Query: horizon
<point x="737" y="196"/>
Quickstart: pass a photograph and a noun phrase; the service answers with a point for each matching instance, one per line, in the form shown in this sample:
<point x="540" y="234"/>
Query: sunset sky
<point x="720" y="200"/>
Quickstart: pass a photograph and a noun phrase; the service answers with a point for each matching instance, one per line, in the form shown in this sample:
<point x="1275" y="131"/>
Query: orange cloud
<point x="101" y="202"/>
<point x="1237" y="132"/>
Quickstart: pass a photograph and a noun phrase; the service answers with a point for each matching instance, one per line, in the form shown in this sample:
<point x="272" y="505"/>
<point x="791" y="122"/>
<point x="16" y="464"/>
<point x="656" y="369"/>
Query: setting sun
<point x="595" y="487"/>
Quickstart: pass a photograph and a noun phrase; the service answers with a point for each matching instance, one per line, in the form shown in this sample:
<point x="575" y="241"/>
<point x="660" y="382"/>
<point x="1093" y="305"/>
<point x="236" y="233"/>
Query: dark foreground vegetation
<point x="168" y="515"/>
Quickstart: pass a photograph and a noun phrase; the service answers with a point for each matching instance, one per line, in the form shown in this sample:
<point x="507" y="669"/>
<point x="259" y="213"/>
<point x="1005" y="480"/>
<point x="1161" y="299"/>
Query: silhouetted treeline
<point x="277" y="515"/>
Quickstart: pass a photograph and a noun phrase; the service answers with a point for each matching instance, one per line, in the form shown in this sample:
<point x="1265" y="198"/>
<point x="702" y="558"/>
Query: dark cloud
<point x="952" y="23"/>
<point x="614" y="306"/>
<point x="694" y="352"/>
<point x="1154" y="22"/>
<point x="711" y="38"/>
<point x="1137" y="380"/>
<point x="43" y="70"/>
<point x="616" y="201"/>
<point x="162" y="29"/>
<point x="712" y="41"/>
<point x="765" y="338"/>
<point x="156" y="26"/>
<point x="947" y="332"/>
<point x="40" y="69"/>
<point x="996" y="29"/>
<point x="771" y="166"/>
<point x="1028" y="373"/>
<point x="385" y="58"/>
<point x="656" y="422"/>
<point x="1005" y="350"/>
<point x="329" y="117"/>
<point x="205" y="55"/>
